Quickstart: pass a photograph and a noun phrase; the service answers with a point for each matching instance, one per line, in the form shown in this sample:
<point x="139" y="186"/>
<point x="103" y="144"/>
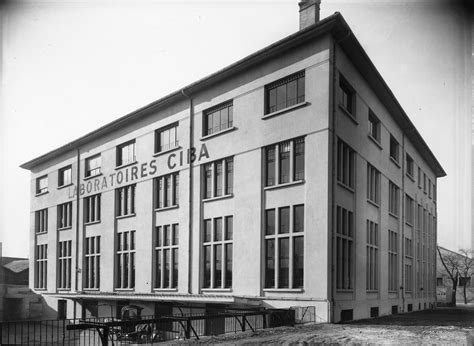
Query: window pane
<point x="207" y="230"/>
<point x="218" y="177"/>
<point x="270" y="221"/>
<point x="285" y="162"/>
<point x="207" y="267"/>
<point x="298" y="218"/>
<point x="284" y="220"/>
<point x="270" y="166"/>
<point x="284" y="263"/>
<point x="229" y="231"/>
<point x="218" y="229"/>
<point x="299" y="159"/>
<point x="292" y="96"/>
<point x="218" y="266"/>
<point x="228" y="265"/>
<point x="270" y="263"/>
<point x="230" y="176"/>
<point x="298" y="262"/>
<point x="281" y="97"/>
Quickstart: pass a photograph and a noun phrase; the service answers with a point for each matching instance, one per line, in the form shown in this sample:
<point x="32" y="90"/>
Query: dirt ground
<point x="442" y="326"/>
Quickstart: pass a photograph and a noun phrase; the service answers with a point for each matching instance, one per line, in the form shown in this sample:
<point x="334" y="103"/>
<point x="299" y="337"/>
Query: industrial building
<point x="292" y="177"/>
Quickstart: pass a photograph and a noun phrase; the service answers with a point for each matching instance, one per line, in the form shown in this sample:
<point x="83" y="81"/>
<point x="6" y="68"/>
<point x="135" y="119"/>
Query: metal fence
<point x="147" y="329"/>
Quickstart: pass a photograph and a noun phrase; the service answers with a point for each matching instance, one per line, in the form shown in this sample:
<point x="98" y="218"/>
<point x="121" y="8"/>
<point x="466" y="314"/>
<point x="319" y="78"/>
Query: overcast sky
<point x="69" y="67"/>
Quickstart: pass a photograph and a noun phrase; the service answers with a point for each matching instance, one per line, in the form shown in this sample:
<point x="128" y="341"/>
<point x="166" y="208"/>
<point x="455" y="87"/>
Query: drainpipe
<point x="402" y="284"/>
<point x="190" y="224"/>
<point x="77" y="226"/>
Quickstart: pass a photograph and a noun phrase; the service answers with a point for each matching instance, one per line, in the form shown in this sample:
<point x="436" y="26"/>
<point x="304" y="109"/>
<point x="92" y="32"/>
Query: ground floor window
<point x="64" y="264"/>
<point x="392" y="260"/>
<point x="166" y="256"/>
<point x="41" y="266"/>
<point x="218" y="252"/>
<point x="284" y="247"/>
<point x="372" y="257"/>
<point x="125" y="260"/>
<point x="92" y="263"/>
<point x="344" y="248"/>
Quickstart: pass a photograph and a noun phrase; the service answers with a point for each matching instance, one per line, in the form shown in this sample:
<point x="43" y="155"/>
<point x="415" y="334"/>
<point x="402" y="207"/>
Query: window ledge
<point x="126" y="165"/>
<point x="284" y="290"/>
<point x="372" y="291"/>
<point x="92" y="176"/>
<point x="348" y="188"/>
<point x="349" y="114"/>
<point x="42" y="289"/>
<point x="411" y="177"/>
<point x="167" y="208"/>
<point x="409" y="224"/>
<point x="218" y="198"/>
<point x="393" y="215"/>
<point x="91" y="223"/>
<point x="91" y="289"/>
<point x="41" y="193"/>
<point x="39" y="233"/>
<point x="284" y="110"/>
<point x="64" y="290"/>
<point x="345" y="290"/>
<point x="376" y="142"/>
<point x="394" y="161"/>
<point x="204" y="290"/>
<point x="125" y="216"/>
<point x="64" y="186"/>
<point x="125" y="289"/>
<point x="64" y="228"/>
<point x="221" y="132"/>
<point x="158" y="290"/>
<point x="280" y="186"/>
<point x="373" y="203"/>
<point x="167" y="151"/>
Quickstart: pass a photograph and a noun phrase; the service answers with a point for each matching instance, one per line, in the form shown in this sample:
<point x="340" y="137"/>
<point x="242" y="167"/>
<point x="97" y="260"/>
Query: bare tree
<point x="452" y="263"/>
<point x="466" y="269"/>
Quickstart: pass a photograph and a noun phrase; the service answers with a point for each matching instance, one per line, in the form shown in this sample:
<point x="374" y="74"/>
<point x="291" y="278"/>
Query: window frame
<point x="160" y="190"/>
<point x="372" y="257"/>
<point x="295" y="269"/>
<point x="119" y="158"/>
<point x="374" y="124"/>
<point x="91" y="278"/>
<point x="166" y="245"/>
<point x="276" y="165"/>
<point x="392" y="253"/>
<point x="346" y="163"/>
<point x="128" y="207"/>
<point x="211" y="241"/>
<point x="300" y="98"/>
<point x="41" y="221"/>
<point x="61" y="171"/>
<point x="88" y="172"/>
<point x="207" y="113"/>
<point x="345" y="88"/>
<point x="127" y="282"/>
<point x="394" y="146"/>
<point x="410" y="166"/>
<point x="41" y="267"/>
<point x="373" y="188"/>
<point x="64" y="216"/>
<point x="64" y="260"/>
<point x="42" y="190"/>
<point x="345" y="240"/>
<point x="393" y="200"/>
<point x="92" y="211"/>
<point x="209" y="177"/>
<point x="158" y="147"/>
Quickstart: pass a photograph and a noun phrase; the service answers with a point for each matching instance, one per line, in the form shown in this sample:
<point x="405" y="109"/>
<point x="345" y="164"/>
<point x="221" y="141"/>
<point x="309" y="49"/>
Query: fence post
<point x="244" y="319"/>
<point x="188" y="328"/>
<point x="104" y="336"/>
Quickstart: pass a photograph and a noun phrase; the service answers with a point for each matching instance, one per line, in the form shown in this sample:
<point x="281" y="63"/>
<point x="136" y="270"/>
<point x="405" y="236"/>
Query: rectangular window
<point x="409" y="210"/>
<point x="92" y="209"/>
<point x="434" y="191"/>
<point x="394" y="149"/>
<point x="64" y="264"/>
<point x="392" y="261"/>
<point x="408" y="248"/>
<point x="42" y="184"/>
<point x="346" y="96"/>
<point x="290" y="154"/>
<point x="393" y="198"/>
<point x="41" y="221"/>
<point x="429" y="188"/>
<point x="166" y="190"/>
<point x="424" y="182"/>
<point x="284" y="251"/>
<point x="65" y="176"/>
<point x="166" y="256"/>
<point x="410" y="166"/>
<point x="218" y="252"/>
<point x="372" y="256"/>
<point x="92" y="263"/>
<point x="218" y="118"/>
<point x="65" y="215"/>
<point x="285" y="92"/>
<point x="92" y="166"/>
<point x="408" y="277"/>
<point x="344" y="249"/>
<point x="374" y="126"/>
<point x="126" y="153"/>
<point x="125" y="260"/>
<point x="166" y="138"/>
<point x="345" y="164"/>
<point x="125" y="200"/>
<point x="420" y="177"/>
<point x="41" y="266"/>
<point x="218" y="178"/>
<point x="373" y="184"/>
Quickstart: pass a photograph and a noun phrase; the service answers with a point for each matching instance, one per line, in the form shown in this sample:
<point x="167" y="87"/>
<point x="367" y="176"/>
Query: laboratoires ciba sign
<point x="138" y="171"/>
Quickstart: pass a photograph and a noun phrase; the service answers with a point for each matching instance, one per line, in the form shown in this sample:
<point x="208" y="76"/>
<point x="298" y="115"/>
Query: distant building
<point x="17" y="301"/>
<point x="290" y="178"/>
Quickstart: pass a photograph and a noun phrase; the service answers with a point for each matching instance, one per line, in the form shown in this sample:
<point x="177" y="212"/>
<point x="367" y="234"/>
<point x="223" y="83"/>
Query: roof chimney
<point x="309" y="12"/>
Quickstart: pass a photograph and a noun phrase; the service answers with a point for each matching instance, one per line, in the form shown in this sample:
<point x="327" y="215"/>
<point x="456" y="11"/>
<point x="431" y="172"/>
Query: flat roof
<point x="334" y="25"/>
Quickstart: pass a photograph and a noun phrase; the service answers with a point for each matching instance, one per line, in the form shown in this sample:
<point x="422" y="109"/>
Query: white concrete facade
<point x="318" y="119"/>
